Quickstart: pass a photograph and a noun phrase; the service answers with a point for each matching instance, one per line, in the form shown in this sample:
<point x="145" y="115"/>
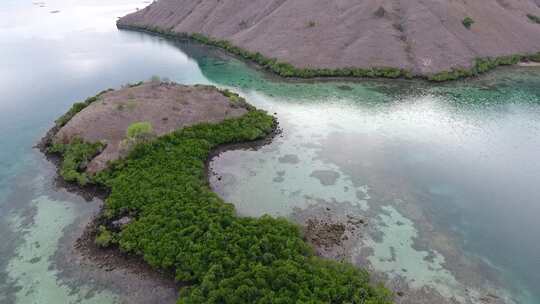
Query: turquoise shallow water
<point x="455" y="163"/>
<point x="447" y="174"/>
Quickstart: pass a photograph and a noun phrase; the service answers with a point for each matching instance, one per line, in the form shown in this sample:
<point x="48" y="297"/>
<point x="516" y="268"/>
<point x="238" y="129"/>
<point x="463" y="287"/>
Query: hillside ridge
<point x="423" y="37"/>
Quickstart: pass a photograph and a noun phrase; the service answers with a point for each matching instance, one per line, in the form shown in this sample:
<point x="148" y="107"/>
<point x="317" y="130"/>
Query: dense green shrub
<point x="181" y="225"/>
<point x="76" y="156"/>
<point x="281" y="68"/>
<point x="236" y="100"/>
<point x="233" y="97"/>
<point x="104" y="237"/>
<point x="288" y="70"/>
<point x="138" y="129"/>
<point x="534" y="18"/>
<point x="136" y="133"/>
<point x="136" y="84"/>
<point x="481" y="65"/>
<point x="468" y="22"/>
<point x="534" y="57"/>
<point x="76" y="108"/>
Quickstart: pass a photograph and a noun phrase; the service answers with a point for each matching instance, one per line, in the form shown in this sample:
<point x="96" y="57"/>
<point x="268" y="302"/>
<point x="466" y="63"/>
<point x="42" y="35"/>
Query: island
<point x="147" y="145"/>
<point x="436" y="40"/>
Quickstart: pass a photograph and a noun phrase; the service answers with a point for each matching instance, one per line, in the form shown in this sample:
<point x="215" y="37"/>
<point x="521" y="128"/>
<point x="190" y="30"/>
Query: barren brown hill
<point x="421" y="36"/>
<point x="166" y="106"/>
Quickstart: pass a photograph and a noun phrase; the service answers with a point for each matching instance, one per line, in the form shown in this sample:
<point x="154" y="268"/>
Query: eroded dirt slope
<point x="425" y="36"/>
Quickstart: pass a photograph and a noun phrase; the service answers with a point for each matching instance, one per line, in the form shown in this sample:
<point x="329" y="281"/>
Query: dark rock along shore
<point x="425" y="37"/>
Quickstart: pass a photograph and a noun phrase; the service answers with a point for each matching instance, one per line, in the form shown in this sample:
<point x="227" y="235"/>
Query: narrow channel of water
<point x="445" y="174"/>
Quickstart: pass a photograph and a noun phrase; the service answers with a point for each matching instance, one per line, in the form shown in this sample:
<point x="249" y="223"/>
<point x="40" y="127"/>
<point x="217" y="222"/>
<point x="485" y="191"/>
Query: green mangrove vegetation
<point x="181" y="226"/>
<point x="468" y="22"/>
<point x="76" y="156"/>
<point x="77" y="107"/>
<point x="274" y="65"/>
<point x="104" y="237"/>
<point x="136" y="133"/>
<point x="236" y="99"/>
<point x="284" y="69"/>
<point x="288" y="70"/>
<point x="138" y="129"/>
<point x="483" y="65"/>
<point x="533" y="18"/>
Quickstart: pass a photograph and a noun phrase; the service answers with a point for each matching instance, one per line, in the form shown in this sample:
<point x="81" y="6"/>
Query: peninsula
<point x="438" y="40"/>
<point x="148" y="144"/>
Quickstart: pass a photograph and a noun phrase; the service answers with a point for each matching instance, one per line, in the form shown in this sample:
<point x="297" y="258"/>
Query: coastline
<point x="480" y="65"/>
<point x="324" y="120"/>
<point x="109" y="265"/>
<point x="79" y="260"/>
<point x="88" y="191"/>
<point x="117" y="225"/>
<point x="111" y="262"/>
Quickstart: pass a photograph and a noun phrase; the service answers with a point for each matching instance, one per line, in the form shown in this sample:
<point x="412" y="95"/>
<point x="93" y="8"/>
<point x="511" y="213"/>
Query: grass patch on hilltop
<point x="138" y="129"/>
<point x="77" y="107"/>
<point x="534" y="18"/>
<point x="468" y="22"/>
<point x="180" y="225"/>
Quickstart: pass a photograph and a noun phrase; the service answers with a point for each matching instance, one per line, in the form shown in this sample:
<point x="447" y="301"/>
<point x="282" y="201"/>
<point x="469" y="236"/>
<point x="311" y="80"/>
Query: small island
<point x="148" y="145"/>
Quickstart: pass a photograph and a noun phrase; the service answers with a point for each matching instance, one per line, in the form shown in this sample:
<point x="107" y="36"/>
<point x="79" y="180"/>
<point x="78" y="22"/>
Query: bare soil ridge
<point x="423" y="37"/>
<point x="166" y="106"/>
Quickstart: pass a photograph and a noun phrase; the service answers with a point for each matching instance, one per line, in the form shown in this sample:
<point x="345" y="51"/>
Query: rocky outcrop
<point x="425" y="37"/>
